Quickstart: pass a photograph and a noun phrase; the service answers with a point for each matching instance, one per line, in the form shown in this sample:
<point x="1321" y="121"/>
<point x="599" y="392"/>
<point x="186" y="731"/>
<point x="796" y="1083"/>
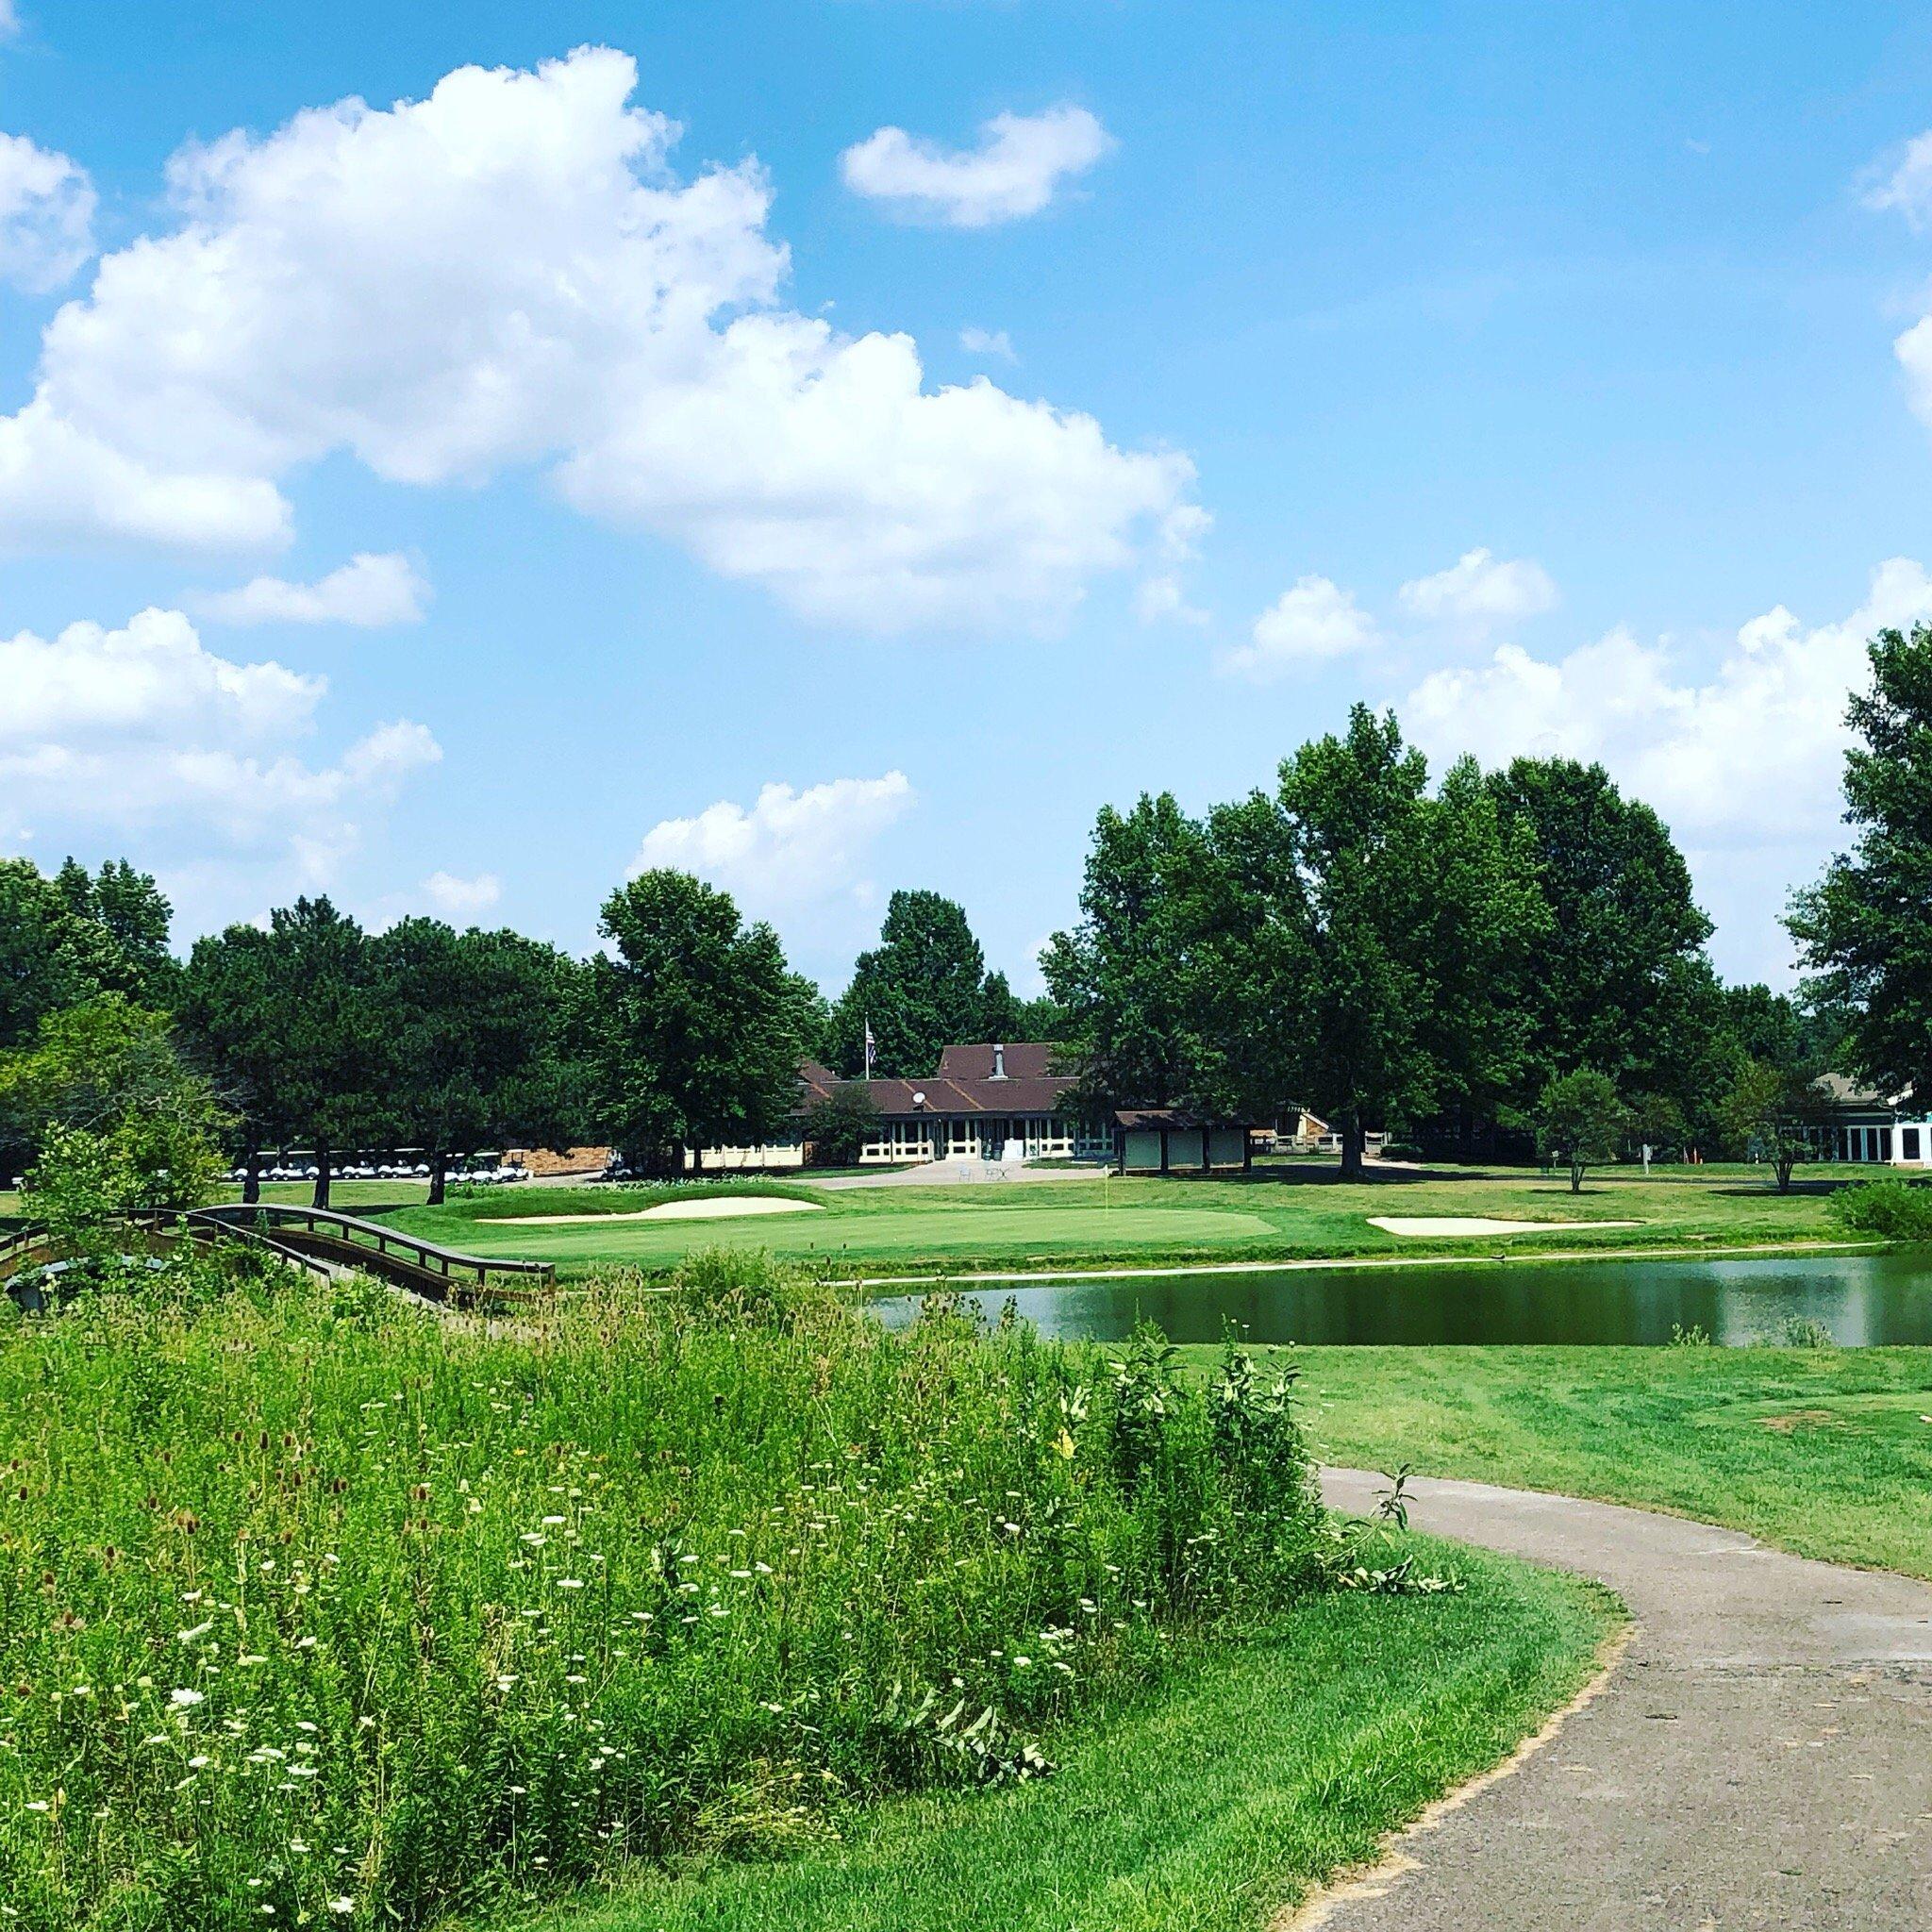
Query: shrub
<point x="1894" y="1210"/>
<point x="312" y="1603"/>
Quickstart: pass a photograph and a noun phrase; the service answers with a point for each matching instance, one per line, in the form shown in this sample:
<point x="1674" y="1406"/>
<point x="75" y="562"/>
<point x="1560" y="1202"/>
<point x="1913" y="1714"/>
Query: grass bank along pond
<point x="315" y="1609"/>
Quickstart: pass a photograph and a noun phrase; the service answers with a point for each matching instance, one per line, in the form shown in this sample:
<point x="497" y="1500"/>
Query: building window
<point x="1909" y="1144"/>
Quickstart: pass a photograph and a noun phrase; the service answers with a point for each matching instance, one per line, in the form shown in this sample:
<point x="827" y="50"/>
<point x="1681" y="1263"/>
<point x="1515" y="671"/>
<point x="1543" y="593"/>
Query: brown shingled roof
<point x="964" y="1083"/>
<point x="1026" y="1059"/>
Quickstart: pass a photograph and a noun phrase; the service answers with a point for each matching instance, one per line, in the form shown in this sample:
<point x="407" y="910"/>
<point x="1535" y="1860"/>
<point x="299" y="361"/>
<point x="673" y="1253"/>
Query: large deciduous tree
<point x="693" y="1034"/>
<point x="923" y="987"/>
<point x="60" y="945"/>
<point x="1864" y="931"/>
<point x="56" y="951"/>
<point x="1364" y="927"/>
<point x="103" y="1089"/>
<point x="1618" y="981"/>
<point x="1120" y="976"/>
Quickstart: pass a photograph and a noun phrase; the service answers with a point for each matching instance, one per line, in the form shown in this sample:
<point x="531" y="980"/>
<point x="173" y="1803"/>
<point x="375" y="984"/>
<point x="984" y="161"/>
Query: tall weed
<point x="318" y="1609"/>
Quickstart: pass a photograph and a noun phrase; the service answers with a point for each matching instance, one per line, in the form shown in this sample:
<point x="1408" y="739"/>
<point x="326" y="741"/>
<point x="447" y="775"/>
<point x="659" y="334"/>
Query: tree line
<point x="1481" y="965"/>
<point x="1438" y="962"/>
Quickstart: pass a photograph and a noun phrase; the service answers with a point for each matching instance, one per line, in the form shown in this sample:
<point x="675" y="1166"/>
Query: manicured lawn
<point x="346" y="1197"/>
<point x="1825" y="1452"/>
<point x="1208" y="1805"/>
<point x="1283" y="1213"/>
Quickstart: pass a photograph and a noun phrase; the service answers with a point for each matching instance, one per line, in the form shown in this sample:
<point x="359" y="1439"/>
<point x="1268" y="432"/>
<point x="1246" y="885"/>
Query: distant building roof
<point x="1150" y="1117"/>
<point x="1023" y="1060"/>
<point x="965" y="1083"/>
<point x="1842" y="1091"/>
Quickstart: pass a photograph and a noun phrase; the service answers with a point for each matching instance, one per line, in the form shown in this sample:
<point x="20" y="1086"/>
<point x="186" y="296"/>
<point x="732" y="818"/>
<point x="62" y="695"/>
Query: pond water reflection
<point x="1863" y="1300"/>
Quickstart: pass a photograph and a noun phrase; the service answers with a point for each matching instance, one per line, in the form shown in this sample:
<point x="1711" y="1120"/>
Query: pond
<point x="1863" y="1300"/>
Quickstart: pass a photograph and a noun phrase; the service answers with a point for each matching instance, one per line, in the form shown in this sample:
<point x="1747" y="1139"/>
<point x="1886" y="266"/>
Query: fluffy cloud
<point x="1908" y="188"/>
<point x="791" y="849"/>
<point x="456" y="898"/>
<point x="369" y="591"/>
<point x="987" y="341"/>
<point x="1015" y="171"/>
<point x="1743" y="764"/>
<point x="46" y="214"/>
<point x="144" y="731"/>
<point x="1313" y="622"/>
<point x="1480" y="590"/>
<point x="509" y="273"/>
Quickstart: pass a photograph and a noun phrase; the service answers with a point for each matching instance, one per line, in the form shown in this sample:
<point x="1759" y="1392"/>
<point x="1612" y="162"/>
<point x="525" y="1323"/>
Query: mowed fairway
<point x="1275" y="1214"/>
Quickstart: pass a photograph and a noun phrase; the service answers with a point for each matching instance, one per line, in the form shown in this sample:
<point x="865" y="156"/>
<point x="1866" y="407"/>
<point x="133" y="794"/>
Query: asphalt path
<point x="1758" y="1755"/>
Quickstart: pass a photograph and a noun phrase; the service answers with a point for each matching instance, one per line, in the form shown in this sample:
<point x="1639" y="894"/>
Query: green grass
<point x="1825" y="1451"/>
<point x="346" y="1197"/>
<point x="307" y="1595"/>
<point x="1285" y="1213"/>
<point x="1208" y="1805"/>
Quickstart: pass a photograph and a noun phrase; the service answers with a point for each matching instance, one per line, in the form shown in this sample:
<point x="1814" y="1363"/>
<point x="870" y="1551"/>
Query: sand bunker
<point x="1479" y="1223"/>
<point x="718" y="1207"/>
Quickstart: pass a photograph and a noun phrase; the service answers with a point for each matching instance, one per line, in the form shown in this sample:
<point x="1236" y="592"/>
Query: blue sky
<point x="1287" y="310"/>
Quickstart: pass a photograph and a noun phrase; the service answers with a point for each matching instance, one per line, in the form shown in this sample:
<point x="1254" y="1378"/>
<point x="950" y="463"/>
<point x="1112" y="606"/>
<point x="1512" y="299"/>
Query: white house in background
<point x="1861" y="1127"/>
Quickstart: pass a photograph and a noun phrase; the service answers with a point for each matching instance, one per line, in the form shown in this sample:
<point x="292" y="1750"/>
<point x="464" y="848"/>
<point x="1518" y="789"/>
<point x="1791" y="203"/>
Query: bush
<point x="1402" y="1150"/>
<point x="313" y="1603"/>
<point x="1895" y="1210"/>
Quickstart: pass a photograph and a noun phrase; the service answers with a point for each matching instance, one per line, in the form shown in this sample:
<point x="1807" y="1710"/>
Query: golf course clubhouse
<point x="994" y="1101"/>
<point x="986" y="1101"/>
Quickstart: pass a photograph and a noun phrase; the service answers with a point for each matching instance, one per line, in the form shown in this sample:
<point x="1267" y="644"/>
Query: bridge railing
<point x="16" y="1243"/>
<point x="465" y="1275"/>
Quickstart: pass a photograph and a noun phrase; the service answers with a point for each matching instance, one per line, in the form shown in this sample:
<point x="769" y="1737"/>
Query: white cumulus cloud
<point x="1310" y="622"/>
<point x="1480" y="590"/>
<point x="1743" y="763"/>
<point x="510" y="273"/>
<point x="372" y="590"/>
<point x="46" y="214"/>
<point x="790" y="849"/>
<point x="1015" y="170"/>
<point x="143" y="733"/>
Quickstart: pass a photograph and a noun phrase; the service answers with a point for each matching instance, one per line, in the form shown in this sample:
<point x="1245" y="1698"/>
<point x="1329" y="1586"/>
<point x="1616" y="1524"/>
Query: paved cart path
<point x="1761" y="1755"/>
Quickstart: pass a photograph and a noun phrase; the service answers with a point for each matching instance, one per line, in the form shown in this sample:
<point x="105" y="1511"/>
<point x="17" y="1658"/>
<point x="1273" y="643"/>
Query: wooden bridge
<point x="316" y="1240"/>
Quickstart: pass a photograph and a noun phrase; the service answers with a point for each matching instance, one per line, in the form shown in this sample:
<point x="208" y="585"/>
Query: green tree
<point x="1120" y="975"/>
<point x="1864" y="931"/>
<point x="470" y="1021"/>
<point x="292" y="1024"/>
<point x="923" y="987"/>
<point x="51" y="955"/>
<point x="137" y="917"/>
<point x="838" y="1126"/>
<point x="231" y="994"/>
<point x="110" y="1071"/>
<point x="692" y="1036"/>
<point x="1360" y="927"/>
<point x="1772" y="1112"/>
<point x="1620" y="981"/>
<point x="1580" y="1122"/>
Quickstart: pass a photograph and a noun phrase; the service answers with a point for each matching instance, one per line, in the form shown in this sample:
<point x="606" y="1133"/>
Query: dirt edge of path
<point x="1371" y="1880"/>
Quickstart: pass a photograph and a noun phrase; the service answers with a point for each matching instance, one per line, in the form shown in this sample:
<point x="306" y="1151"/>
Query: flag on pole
<point x="869" y="1045"/>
